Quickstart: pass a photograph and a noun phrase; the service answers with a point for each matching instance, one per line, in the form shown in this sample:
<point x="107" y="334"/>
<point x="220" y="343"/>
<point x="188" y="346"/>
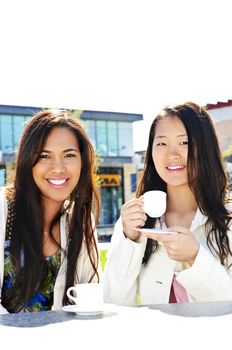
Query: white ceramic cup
<point x="88" y="296"/>
<point x="155" y="203"/>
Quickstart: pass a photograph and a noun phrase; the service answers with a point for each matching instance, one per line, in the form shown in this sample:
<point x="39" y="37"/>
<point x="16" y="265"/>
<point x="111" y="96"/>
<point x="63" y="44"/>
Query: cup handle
<point x="70" y="296"/>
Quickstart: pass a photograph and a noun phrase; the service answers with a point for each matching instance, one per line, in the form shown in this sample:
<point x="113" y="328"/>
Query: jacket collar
<point x="198" y="220"/>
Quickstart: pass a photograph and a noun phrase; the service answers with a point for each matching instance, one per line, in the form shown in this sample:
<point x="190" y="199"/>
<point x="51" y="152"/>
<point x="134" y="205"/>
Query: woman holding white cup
<point x="190" y="259"/>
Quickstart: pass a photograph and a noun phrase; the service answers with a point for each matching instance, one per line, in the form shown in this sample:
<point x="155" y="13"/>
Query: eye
<point x="70" y="155"/>
<point x="161" y="144"/>
<point x="184" y="143"/>
<point x="44" y="156"/>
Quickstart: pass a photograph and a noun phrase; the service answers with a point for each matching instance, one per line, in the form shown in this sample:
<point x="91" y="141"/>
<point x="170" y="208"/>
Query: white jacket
<point x="84" y="267"/>
<point x="126" y="278"/>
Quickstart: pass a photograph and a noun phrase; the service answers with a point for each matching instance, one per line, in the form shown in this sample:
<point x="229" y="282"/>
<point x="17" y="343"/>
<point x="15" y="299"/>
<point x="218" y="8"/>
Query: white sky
<point x="123" y="55"/>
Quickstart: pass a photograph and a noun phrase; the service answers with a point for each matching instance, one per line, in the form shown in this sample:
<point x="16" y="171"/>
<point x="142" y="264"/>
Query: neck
<point x="180" y="199"/>
<point x="51" y="208"/>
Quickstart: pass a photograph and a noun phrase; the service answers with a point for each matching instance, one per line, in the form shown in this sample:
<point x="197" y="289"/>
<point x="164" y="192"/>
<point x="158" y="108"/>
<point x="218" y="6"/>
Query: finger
<point x="180" y="229"/>
<point x="167" y="237"/>
<point x="131" y="210"/>
<point x="133" y="202"/>
<point x="137" y="223"/>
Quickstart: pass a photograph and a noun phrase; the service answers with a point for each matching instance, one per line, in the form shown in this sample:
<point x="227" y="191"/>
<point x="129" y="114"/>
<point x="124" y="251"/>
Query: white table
<point x="189" y="326"/>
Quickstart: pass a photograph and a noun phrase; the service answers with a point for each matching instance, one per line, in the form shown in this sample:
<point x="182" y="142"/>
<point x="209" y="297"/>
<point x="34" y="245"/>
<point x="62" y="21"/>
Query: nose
<point x="58" y="166"/>
<point x="173" y="153"/>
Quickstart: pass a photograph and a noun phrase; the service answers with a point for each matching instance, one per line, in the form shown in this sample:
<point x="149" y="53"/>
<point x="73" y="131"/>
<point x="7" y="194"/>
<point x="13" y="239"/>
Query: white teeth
<point x="57" y="182"/>
<point x="176" y="167"/>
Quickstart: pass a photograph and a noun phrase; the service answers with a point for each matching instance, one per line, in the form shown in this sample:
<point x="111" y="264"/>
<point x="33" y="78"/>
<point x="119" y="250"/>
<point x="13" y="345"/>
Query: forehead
<point x="169" y="125"/>
<point x="61" y="137"/>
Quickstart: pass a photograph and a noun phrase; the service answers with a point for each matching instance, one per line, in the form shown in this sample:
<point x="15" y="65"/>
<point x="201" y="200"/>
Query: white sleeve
<point x="207" y="279"/>
<point x="123" y="266"/>
<point x="84" y="267"/>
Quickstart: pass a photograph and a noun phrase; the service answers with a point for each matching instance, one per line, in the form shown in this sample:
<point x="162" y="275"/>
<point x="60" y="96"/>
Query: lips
<point x="57" y="182"/>
<point x="176" y="167"/>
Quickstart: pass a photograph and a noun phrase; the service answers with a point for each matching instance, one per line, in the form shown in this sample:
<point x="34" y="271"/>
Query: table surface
<point x="161" y="324"/>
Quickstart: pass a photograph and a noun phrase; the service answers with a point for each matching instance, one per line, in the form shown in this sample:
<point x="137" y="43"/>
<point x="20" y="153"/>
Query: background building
<point x="112" y="136"/>
<point x="221" y="113"/>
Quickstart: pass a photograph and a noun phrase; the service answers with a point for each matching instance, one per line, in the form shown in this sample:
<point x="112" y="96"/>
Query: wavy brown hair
<point x="28" y="222"/>
<point x="206" y="175"/>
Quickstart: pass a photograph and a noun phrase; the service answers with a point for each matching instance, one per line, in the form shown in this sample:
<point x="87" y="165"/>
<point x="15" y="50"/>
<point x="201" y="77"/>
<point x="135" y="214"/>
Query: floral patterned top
<point x="43" y="300"/>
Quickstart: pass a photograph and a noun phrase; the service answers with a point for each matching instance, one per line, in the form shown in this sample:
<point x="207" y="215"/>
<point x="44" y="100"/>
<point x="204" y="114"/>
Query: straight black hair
<point x="206" y="175"/>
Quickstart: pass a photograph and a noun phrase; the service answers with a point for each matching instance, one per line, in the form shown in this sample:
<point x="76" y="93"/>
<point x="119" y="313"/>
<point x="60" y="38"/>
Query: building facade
<point x="111" y="134"/>
<point x="221" y="113"/>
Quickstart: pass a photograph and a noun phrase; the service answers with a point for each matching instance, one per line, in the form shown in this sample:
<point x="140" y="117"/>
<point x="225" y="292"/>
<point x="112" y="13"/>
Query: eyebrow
<point x="163" y="136"/>
<point x="65" y="151"/>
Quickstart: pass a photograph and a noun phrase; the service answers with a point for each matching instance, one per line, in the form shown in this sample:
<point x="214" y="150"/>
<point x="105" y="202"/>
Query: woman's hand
<point x="180" y="244"/>
<point x="133" y="216"/>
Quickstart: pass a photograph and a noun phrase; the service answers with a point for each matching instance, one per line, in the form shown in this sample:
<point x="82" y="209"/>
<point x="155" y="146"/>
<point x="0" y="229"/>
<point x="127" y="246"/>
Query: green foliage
<point x="227" y="153"/>
<point x="76" y="113"/>
<point x="103" y="258"/>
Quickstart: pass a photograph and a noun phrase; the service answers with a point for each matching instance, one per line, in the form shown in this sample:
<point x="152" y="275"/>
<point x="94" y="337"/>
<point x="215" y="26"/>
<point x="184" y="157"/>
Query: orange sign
<point x="109" y="180"/>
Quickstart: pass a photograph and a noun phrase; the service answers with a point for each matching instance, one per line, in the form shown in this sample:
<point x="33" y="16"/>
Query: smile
<point x="177" y="167"/>
<point x="57" y="182"/>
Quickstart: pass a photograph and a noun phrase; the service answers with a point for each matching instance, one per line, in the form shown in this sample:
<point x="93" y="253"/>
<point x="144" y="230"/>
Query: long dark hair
<point x="206" y="175"/>
<point x="28" y="221"/>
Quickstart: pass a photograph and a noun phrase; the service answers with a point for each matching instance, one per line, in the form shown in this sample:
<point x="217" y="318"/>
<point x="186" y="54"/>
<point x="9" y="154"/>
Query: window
<point x="6" y="136"/>
<point x="91" y="131"/>
<point x="112" y="134"/>
<point x="125" y="139"/>
<point x="102" y="147"/>
<point x="2" y="177"/>
<point x="111" y="138"/>
<point x="18" y="127"/>
<point x="111" y="196"/>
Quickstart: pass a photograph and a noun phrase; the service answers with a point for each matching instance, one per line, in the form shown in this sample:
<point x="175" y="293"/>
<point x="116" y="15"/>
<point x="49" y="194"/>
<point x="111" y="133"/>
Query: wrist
<point x="193" y="258"/>
<point x="133" y="236"/>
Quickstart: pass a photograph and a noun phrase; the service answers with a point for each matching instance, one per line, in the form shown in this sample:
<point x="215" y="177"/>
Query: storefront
<point x="110" y="181"/>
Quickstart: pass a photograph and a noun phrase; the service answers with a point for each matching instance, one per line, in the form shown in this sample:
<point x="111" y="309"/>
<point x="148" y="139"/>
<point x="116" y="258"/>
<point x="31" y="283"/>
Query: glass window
<point x="125" y="138"/>
<point x="91" y="131"/>
<point x="6" y="136"/>
<point x="112" y="139"/>
<point x="2" y="177"/>
<point x="18" y="127"/>
<point x="111" y="197"/>
<point x="101" y="145"/>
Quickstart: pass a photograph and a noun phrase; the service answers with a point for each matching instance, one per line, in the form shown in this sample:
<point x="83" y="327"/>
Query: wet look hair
<point x="28" y="221"/>
<point x="206" y="175"/>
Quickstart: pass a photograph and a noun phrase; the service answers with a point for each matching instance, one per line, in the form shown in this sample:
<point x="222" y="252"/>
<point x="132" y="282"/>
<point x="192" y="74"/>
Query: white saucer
<point x="81" y="311"/>
<point x="156" y="231"/>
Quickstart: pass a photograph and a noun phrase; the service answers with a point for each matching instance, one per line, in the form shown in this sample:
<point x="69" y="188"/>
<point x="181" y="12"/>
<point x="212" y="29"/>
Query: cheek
<point x="35" y="172"/>
<point x="76" y="170"/>
<point x="157" y="159"/>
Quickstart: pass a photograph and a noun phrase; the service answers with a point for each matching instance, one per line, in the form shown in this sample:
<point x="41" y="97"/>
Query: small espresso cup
<point x="88" y="296"/>
<point x="155" y="203"/>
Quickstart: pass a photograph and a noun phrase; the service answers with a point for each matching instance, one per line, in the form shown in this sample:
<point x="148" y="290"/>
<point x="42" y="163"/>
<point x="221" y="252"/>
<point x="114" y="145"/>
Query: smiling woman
<point x="57" y="170"/>
<point x="48" y="239"/>
<point x="183" y="160"/>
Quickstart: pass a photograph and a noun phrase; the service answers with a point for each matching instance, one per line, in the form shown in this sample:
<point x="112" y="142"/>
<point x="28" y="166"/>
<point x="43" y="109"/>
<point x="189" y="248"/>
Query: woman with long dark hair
<point x="48" y="239"/>
<point x="192" y="263"/>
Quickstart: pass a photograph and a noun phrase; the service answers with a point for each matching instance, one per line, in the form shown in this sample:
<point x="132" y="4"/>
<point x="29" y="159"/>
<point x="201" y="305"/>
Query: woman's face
<point x="58" y="168"/>
<point x="170" y="151"/>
